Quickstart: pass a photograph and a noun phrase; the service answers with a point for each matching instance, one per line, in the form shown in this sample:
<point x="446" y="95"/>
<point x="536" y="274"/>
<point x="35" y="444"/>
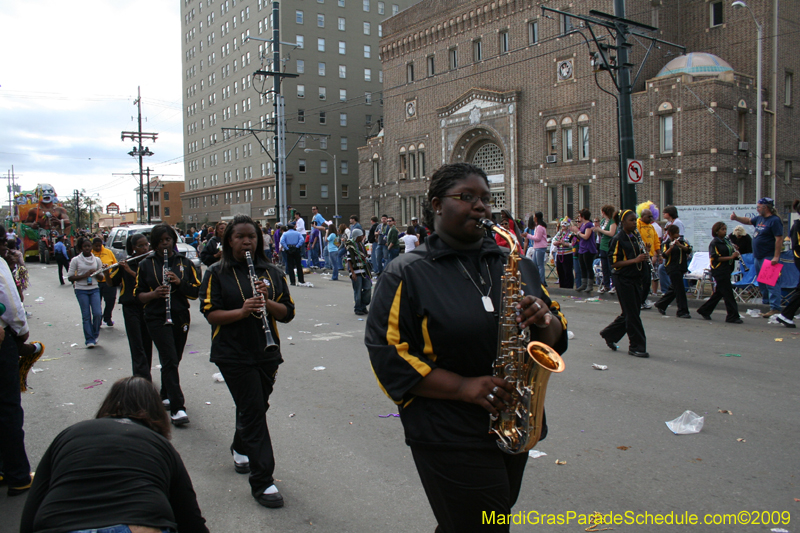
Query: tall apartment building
<point x="332" y="106"/>
<point x="510" y="88"/>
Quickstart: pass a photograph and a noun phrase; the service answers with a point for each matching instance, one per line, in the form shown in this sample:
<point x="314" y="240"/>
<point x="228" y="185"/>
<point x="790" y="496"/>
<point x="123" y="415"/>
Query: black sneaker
<point x="788" y="322"/>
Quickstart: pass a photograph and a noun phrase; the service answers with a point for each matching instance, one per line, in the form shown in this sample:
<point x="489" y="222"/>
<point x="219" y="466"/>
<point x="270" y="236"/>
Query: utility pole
<point x="139" y="151"/>
<point x="148" y="194"/>
<point x="614" y="59"/>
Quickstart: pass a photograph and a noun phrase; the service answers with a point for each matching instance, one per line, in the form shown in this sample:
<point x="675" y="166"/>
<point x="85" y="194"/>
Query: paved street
<point x="343" y="468"/>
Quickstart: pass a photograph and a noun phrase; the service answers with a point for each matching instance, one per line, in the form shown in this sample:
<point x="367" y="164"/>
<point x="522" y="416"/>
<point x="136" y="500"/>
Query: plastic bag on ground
<point x="686" y="424"/>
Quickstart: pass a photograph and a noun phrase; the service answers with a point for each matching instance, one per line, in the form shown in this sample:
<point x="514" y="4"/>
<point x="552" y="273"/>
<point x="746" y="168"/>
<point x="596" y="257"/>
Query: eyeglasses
<point x="471" y="198"/>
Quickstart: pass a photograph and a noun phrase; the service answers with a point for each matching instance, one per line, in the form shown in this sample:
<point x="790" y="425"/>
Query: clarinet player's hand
<point x="262" y="288"/>
<point x="162" y="291"/>
<point x="173" y="278"/>
<point x="252" y="305"/>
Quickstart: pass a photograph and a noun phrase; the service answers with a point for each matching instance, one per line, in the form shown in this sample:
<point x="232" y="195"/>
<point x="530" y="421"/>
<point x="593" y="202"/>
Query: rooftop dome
<point x="696" y="64"/>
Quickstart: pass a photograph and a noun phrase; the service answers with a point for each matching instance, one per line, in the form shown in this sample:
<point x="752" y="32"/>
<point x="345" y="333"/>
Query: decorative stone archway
<point x="480" y="127"/>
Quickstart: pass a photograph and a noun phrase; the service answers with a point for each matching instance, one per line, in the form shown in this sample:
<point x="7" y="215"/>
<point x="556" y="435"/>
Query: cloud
<point x="65" y="101"/>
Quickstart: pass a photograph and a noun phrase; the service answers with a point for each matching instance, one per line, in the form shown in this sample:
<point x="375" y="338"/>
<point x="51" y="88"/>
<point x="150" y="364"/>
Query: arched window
<point x="375" y="171"/>
<point x="551" y="137"/>
<point x="412" y="161"/>
<point x="583" y="137"/>
<point x="566" y="138"/>
<point x="403" y="163"/>
<point x="421" y="160"/>
<point x="665" y="128"/>
<point x="489" y="157"/>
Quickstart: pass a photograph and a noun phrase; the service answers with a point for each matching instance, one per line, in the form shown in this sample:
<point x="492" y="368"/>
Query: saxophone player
<point x="238" y="346"/>
<point x="154" y="292"/>
<point x="432" y="335"/>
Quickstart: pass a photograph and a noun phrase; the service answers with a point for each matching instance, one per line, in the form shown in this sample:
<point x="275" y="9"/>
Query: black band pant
<point x="170" y="341"/>
<point x="139" y="341"/>
<point x="722" y="291"/>
<point x="629" y="294"/>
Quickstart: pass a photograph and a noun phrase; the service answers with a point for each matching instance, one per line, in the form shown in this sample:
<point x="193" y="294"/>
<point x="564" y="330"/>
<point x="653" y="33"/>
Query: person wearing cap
<point x="767" y="245"/>
<point x="358" y="267"/>
<point x="419" y="230"/>
<point x="292" y="244"/>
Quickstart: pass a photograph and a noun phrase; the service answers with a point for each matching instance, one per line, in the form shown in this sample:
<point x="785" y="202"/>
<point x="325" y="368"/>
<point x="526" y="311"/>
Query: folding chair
<point x="789" y="282"/>
<point x="745" y="289"/>
<point x="699" y="272"/>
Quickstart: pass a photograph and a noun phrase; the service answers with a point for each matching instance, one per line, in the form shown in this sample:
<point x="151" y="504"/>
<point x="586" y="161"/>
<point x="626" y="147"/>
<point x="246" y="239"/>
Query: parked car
<point x="118" y="236"/>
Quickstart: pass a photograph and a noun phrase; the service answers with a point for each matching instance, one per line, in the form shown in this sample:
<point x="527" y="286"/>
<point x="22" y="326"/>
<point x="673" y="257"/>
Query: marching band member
<point x="163" y="298"/>
<point x="239" y="346"/>
<point x="675" y="252"/>
<point x="628" y="257"/>
<point x="139" y="341"/>
<point x="722" y="254"/>
<point x="432" y="339"/>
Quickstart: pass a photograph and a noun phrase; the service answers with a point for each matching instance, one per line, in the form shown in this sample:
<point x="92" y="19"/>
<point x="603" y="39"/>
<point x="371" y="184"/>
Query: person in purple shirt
<point x="587" y="249"/>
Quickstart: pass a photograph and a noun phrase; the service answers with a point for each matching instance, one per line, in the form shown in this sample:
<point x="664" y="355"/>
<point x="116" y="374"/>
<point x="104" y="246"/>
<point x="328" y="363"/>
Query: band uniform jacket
<point x="721" y="248"/>
<point x="622" y="248"/>
<point x="126" y="282"/>
<point x="242" y="341"/>
<point x="150" y="276"/>
<point x="427" y="314"/>
<point x="677" y="260"/>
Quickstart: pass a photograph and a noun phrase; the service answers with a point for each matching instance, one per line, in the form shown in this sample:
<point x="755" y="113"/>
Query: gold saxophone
<point x="526" y="364"/>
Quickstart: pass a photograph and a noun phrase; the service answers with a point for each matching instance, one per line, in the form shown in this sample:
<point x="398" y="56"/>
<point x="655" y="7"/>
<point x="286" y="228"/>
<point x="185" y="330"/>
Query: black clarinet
<point x="271" y="345"/>
<point x="166" y="283"/>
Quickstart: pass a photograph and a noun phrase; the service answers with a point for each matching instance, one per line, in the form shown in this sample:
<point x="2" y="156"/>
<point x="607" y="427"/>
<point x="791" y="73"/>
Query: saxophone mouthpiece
<point x="485" y="223"/>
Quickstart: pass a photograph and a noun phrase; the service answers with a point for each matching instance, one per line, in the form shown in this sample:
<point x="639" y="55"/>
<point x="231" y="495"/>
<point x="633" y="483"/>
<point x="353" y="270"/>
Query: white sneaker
<point x="90" y="345"/>
<point x="180" y="418"/>
<point x="165" y="401"/>
<point x="647" y="304"/>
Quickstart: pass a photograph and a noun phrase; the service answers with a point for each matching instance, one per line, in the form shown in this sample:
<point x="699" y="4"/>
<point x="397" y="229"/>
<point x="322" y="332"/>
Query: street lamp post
<point x="335" y="186"/>
<point x="738" y="4"/>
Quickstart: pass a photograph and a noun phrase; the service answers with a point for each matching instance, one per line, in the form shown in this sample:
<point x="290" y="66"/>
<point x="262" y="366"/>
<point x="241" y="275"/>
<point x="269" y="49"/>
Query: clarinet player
<point x="432" y="337"/>
<point x="239" y="346"/>
<point x="164" y="289"/>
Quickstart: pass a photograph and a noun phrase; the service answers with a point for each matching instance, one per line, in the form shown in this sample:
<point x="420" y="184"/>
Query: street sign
<point x="635" y="171"/>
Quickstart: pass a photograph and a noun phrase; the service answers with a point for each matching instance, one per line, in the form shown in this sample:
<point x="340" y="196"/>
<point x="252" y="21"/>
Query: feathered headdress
<point x="647" y="205"/>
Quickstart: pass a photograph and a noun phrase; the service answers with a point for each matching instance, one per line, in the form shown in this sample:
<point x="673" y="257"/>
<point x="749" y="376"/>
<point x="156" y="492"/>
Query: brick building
<point x="500" y="85"/>
<point x="164" y="203"/>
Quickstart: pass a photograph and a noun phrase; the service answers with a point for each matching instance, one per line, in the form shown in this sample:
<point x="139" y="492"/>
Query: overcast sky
<point x="69" y="76"/>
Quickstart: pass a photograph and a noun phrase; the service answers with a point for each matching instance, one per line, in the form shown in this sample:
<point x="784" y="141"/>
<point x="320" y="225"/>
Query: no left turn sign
<point x="635" y="171"/>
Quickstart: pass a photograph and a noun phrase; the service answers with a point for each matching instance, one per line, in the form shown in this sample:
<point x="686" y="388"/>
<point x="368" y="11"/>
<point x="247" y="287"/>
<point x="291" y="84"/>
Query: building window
<point x="301" y="116"/>
<point x="367" y="51"/>
<point x="365" y="5"/>
<point x="367" y="28"/>
<point x="298" y="17"/>
<point x="323" y="143"/>
<point x="395" y="9"/>
<point x="583" y="141"/>
<point x="375" y="170"/>
<point x="302" y="190"/>
<point x="323" y="93"/>
<point x="301" y="91"/>
<point x="323" y="191"/>
<point x="504" y="44"/>
<point x="477" y="50"/>
<point x="300" y="41"/>
<point x="323" y="118"/>
<point x="343" y="119"/>
<point x="345" y="191"/>
<point x="343" y="167"/>
<point x="323" y="167"/>
<point x="320" y="20"/>
<point x="301" y="165"/>
<point x="367" y="74"/>
<point x="381" y="8"/>
<point x="301" y="66"/>
<point x="421" y="159"/>
<point x="343" y="143"/>
<point x="320" y="45"/>
<point x="584" y="196"/>
<point x="715" y="13"/>
<point x="166" y="196"/>
<point x="787" y="88"/>
<point x="409" y="72"/>
<point x="166" y="210"/>
<point x="340" y="3"/>
<point x="666" y="192"/>
<point x="569" y="201"/>
<point x="412" y="163"/>
<point x="342" y="48"/>
<point x="566" y="26"/>
<point x="368" y="98"/>
<point x="342" y="95"/>
<point x="552" y="204"/>
<point x="666" y="135"/>
<point x="566" y="139"/>
<point x="321" y="69"/>
<point x="787" y="172"/>
<point x="341" y="24"/>
<point x="453" y="55"/>
<point x="431" y="66"/>
<point x="533" y="32"/>
<point x="342" y="72"/>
